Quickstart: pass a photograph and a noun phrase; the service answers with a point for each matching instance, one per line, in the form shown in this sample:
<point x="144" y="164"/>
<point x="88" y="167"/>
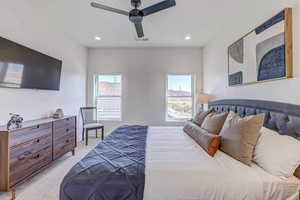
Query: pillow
<point x="214" y="122"/>
<point x="297" y="172"/>
<point x="200" y="116"/>
<point x="209" y="142"/>
<point x="240" y="135"/>
<point x="277" y="154"/>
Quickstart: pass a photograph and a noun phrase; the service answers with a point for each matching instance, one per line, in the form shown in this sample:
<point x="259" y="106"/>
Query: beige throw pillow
<point x="214" y="122"/>
<point x="240" y="135"/>
<point x="200" y="116"/>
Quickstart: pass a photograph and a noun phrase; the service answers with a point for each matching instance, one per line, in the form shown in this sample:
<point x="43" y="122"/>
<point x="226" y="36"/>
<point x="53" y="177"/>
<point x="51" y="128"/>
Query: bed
<point x="163" y="163"/>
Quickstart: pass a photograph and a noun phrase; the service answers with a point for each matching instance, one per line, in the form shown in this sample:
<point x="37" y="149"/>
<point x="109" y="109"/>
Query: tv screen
<point x="22" y="67"/>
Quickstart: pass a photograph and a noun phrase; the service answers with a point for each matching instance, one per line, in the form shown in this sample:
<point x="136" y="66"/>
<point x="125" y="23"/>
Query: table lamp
<point x="204" y="98"/>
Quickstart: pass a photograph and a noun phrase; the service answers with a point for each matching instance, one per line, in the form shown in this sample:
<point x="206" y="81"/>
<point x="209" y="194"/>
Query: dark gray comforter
<point x="114" y="170"/>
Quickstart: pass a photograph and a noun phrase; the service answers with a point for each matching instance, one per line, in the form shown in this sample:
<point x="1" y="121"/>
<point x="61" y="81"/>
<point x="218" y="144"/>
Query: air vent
<point x="142" y="39"/>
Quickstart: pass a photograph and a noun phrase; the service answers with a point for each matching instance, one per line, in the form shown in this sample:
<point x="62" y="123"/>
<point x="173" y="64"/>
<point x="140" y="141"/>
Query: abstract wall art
<point x="264" y="54"/>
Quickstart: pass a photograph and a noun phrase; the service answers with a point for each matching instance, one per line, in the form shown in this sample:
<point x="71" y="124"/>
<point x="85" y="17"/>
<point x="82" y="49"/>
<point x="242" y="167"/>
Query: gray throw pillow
<point x="200" y="116"/>
<point x="240" y="135"/>
<point x="214" y="122"/>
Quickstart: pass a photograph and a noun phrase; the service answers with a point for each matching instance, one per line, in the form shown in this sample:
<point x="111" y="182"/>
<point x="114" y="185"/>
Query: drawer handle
<point x="38" y="126"/>
<point x="67" y="141"/>
<point x="36" y="157"/>
<point x="67" y="130"/>
<point x="21" y="158"/>
<point x="38" y="140"/>
<point x="25" y="154"/>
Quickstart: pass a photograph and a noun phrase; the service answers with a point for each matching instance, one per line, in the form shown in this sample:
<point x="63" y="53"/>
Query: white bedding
<point x="178" y="169"/>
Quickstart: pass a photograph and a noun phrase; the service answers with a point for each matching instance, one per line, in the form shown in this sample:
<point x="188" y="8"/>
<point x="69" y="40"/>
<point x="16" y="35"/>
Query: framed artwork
<point x="264" y="54"/>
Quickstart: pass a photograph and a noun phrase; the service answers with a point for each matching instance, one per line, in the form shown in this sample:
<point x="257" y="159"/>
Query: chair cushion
<point x="92" y="125"/>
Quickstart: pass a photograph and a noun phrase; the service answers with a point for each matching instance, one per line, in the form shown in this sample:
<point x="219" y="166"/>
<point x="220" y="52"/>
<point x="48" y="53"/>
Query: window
<point x="180" y="97"/>
<point x="108" y="97"/>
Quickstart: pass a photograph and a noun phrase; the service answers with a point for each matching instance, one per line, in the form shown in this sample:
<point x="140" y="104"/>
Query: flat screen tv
<point x="22" y="67"/>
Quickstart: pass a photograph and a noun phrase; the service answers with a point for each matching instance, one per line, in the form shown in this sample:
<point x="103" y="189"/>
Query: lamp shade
<point x="204" y="98"/>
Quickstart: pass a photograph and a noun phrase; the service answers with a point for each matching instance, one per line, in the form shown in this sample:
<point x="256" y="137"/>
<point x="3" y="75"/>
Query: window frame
<point x="95" y="85"/>
<point x="193" y="91"/>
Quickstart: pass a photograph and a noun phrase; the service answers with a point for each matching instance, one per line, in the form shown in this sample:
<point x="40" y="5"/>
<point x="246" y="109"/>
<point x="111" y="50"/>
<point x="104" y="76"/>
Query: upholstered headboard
<point x="281" y="117"/>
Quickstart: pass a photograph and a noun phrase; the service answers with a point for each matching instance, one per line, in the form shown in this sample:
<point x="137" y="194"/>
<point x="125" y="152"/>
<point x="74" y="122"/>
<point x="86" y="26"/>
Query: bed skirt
<point x="113" y="170"/>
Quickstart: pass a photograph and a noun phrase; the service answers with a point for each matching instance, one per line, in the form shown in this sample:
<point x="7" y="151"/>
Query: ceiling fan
<point x="136" y="15"/>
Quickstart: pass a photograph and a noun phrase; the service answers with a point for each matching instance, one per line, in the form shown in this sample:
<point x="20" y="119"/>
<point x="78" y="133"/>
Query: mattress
<point x="177" y="168"/>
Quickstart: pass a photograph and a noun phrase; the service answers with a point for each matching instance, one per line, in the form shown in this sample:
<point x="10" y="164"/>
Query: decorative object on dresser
<point x="14" y="122"/>
<point x="204" y="98"/>
<point x="264" y="54"/>
<point x="59" y="113"/>
<point x="26" y="151"/>
<point x="90" y="122"/>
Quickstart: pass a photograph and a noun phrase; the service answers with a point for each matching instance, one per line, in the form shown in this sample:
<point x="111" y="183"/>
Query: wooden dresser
<point x="27" y="150"/>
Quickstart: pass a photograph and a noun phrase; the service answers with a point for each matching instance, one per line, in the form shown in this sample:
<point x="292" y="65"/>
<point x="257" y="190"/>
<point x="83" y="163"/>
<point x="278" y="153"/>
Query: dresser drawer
<point x="64" y="123"/>
<point x="29" y="164"/>
<point x="63" y="145"/>
<point x="24" y="135"/>
<point x="21" y="152"/>
<point x="63" y="131"/>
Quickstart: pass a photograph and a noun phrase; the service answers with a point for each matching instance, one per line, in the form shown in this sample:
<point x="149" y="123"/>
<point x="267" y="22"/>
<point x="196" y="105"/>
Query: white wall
<point x="23" y="23"/>
<point x="144" y="72"/>
<point x="215" y="61"/>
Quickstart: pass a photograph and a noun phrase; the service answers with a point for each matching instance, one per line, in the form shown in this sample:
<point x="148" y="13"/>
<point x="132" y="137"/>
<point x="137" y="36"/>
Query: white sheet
<point x="178" y="169"/>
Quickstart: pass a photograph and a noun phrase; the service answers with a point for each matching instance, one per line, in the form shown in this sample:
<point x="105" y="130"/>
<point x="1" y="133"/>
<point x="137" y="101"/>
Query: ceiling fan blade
<point x="139" y="29"/>
<point x="107" y="8"/>
<point x="158" y="7"/>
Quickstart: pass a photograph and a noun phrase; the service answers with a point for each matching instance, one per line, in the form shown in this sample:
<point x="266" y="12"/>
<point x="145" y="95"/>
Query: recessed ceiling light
<point x="98" y="38"/>
<point x="188" y="37"/>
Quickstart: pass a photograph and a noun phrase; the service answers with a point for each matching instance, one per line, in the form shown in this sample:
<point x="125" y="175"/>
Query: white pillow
<point x="277" y="154"/>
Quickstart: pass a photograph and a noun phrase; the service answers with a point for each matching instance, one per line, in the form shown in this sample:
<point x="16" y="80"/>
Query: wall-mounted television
<point x="22" y="67"/>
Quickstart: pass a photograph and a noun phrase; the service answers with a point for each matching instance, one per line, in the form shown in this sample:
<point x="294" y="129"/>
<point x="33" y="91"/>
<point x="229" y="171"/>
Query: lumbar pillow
<point x="240" y="135"/>
<point x="297" y="172"/>
<point x="200" y="116"/>
<point x="214" y="122"/>
<point x="209" y="142"/>
<point x="277" y="154"/>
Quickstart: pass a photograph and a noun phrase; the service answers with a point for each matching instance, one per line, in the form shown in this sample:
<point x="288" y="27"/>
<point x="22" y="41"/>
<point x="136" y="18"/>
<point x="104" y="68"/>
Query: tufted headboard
<point x="281" y="117"/>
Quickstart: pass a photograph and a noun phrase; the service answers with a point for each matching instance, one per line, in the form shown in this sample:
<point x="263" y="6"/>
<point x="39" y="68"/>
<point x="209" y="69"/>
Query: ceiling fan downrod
<point x="136" y="3"/>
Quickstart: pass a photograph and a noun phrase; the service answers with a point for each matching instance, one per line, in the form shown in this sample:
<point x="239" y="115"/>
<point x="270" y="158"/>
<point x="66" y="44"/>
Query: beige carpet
<point x="45" y="185"/>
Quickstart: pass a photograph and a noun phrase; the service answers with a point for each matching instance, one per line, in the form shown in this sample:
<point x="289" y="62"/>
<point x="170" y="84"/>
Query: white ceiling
<point x="202" y="19"/>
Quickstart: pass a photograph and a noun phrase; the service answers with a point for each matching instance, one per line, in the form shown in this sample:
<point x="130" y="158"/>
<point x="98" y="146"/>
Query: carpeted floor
<point x="45" y="185"/>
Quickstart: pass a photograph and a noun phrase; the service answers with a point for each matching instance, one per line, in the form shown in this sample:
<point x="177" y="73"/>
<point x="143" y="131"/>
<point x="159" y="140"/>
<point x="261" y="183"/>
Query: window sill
<point x="110" y="120"/>
<point x="177" y="121"/>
